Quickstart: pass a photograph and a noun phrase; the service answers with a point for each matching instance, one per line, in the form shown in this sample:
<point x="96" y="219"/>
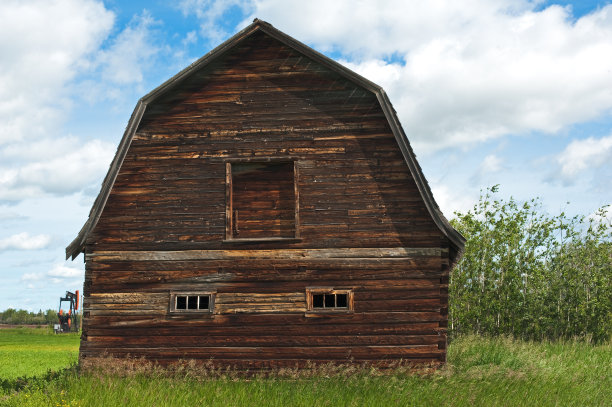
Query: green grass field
<point x="480" y="372"/>
<point x="34" y="351"/>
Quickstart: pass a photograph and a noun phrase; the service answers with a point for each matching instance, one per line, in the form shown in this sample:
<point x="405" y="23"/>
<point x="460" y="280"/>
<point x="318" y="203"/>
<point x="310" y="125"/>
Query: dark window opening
<point x="191" y="302"/>
<point x="204" y="301"/>
<point x="317" y="300"/>
<point x="329" y="299"/>
<point x="341" y="300"/>
<point x="262" y="200"/>
<point x="181" y="302"/>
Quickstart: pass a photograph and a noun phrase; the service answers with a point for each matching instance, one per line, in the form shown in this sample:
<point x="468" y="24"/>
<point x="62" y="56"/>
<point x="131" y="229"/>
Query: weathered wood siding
<point x="362" y="225"/>
<point x="260" y="317"/>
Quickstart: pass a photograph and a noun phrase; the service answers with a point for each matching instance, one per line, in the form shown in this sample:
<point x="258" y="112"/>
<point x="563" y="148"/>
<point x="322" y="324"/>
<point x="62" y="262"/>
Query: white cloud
<point x="59" y="273"/>
<point x="44" y="44"/>
<point x="32" y="277"/>
<point x="211" y="13"/>
<point x="583" y="155"/>
<point x="67" y="167"/>
<point x="190" y="38"/>
<point x="460" y="73"/>
<point x="451" y="201"/>
<point x="11" y="216"/>
<point x="122" y="66"/>
<point x="123" y="62"/>
<point x="63" y="271"/>
<point x="23" y="241"/>
<point x="490" y="165"/>
<point x="48" y="49"/>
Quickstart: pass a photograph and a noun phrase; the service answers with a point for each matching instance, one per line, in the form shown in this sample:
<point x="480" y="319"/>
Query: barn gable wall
<point x="265" y="100"/>
<point x="362" y="225"/>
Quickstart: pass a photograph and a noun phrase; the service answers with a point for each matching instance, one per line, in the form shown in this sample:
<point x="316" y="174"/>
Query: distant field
<point x="33" y="351"/>
<point x="480" y="372"/>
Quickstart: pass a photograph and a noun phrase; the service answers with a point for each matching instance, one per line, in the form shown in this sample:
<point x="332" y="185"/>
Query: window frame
<point x="311" y="291"/>
<point x="211" y="302"/>
<point x="229" y="219"/>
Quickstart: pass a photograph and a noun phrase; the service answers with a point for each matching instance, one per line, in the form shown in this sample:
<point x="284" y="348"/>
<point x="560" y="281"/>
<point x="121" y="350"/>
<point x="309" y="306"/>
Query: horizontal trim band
<point x="282" y="254"/>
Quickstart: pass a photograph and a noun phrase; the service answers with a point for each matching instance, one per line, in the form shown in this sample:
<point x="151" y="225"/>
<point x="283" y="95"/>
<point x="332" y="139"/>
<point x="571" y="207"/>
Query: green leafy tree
<point x="23" y="317"/>
<point x="530" y="275"/>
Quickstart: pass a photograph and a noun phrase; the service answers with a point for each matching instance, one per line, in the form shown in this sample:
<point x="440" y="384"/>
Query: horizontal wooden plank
<point x="253" y="298"/>
<point x="274" y="352"/>
<point x="302" y="254"/>
<point x="314" y="339"/>
<point x="186" y="328"/>
<point x="248" y="270"/>
<point x="311" y="236"/>
<point x="262" y="319"/>
<point x="222" y="285"/>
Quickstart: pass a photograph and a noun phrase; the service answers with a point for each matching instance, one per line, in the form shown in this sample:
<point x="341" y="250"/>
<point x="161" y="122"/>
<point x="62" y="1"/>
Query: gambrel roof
<point x="78" y="244"/>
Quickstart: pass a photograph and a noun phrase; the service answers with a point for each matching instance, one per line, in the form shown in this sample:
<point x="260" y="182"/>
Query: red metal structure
<point x="68" y="321"/>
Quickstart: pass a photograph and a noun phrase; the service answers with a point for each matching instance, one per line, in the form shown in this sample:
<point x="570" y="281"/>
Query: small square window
<point x="191" y="302"/>
<point x="327" y="299"/>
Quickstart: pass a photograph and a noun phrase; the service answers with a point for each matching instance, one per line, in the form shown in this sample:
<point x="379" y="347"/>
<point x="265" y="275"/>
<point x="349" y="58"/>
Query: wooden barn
<point x="264" y="209"/>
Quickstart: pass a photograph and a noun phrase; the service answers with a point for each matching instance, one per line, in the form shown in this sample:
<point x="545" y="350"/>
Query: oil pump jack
<point x="68" y="320"/>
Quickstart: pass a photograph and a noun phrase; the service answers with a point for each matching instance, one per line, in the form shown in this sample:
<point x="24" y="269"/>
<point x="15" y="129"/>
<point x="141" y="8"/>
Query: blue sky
<point x="509" y="92"/>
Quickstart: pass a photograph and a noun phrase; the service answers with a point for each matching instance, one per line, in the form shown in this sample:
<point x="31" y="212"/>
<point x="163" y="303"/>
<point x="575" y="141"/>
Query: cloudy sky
<point x="509" y="92"/>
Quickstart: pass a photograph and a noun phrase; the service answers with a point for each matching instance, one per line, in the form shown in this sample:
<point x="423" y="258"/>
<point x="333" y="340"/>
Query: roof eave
<point x="440" y="220"/>
<point x="77" y="246"/>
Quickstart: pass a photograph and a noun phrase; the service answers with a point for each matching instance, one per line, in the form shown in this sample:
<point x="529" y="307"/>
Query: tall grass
<point x="480" y="372"/>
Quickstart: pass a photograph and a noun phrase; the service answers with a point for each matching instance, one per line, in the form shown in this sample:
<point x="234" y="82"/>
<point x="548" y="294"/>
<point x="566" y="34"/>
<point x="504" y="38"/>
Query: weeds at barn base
<point x="197" y="370"/>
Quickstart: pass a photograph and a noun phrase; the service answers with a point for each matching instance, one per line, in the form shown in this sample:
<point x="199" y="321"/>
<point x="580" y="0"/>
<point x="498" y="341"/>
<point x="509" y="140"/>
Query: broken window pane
<point x="330" y="300"/>
<point x="341" y="300"/>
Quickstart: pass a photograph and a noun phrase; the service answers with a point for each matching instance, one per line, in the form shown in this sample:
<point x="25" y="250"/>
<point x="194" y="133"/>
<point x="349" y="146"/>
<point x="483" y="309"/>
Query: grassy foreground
<point x="480" y="372"/>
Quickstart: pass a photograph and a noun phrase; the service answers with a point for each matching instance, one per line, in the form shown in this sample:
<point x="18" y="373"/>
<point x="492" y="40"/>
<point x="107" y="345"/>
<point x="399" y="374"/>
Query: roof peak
<point x="260" y="21"/>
